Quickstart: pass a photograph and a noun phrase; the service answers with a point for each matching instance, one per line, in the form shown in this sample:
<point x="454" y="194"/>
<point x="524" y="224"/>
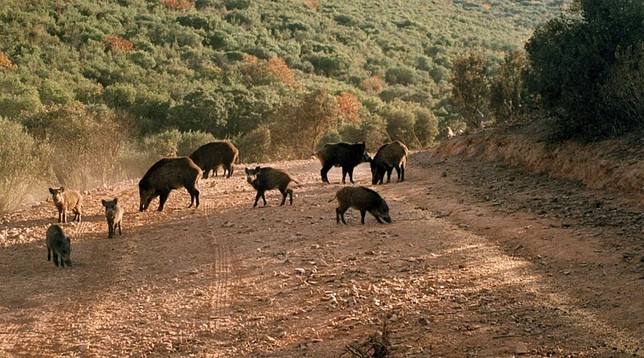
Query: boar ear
<point x="52" y="191"/>
<point x="62" y="188"/>
<point x="104" y="202"/>
<point x="115" y="200"/>
<point x="258" y="168"/>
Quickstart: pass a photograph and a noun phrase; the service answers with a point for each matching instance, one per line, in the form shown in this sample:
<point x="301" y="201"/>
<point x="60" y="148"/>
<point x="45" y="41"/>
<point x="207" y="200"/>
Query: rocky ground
<point x="481" y="260"/>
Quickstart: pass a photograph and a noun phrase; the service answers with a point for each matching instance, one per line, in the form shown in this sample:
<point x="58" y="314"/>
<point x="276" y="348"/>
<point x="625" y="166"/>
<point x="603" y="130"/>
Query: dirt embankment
<point x="615" y="164"/>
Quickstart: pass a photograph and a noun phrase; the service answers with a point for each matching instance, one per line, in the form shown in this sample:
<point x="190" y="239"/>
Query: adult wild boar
<point x="59" y="245"/>
<point x="114" y="216"/>
<point x="65" y="200"/>
<point x="389" y="157"/>
<point x="211" y="155"/>
<point x="363" y="199"/>
<point x="168" y="174"/>
<point x="267" y="178"/>
<point x="345" y="155"/>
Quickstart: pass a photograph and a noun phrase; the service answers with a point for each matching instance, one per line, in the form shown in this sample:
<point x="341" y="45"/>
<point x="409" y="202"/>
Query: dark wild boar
<point x="168" y="174"/>
<point x="389" y="157"/>
<point x="363" y="199"/>
<point x="267" y="178"/>
<point x="345" y="155"/>
<point x="212" y="155"/>
<point x="114" y="216"/>
<point x="65" y="200"/>
<point x="59" y="246"/>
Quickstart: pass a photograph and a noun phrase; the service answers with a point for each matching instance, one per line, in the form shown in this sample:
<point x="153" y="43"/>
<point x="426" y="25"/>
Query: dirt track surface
<point x="480" y="261"/>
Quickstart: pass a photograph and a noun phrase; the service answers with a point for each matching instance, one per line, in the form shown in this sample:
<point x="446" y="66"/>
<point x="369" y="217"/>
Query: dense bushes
<point x="580" y="63"/>
<point x="84" y="143"/>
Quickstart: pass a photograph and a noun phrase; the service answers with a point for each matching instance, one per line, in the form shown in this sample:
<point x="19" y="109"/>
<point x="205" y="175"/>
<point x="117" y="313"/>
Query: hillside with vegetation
<point x="94" y="92"/>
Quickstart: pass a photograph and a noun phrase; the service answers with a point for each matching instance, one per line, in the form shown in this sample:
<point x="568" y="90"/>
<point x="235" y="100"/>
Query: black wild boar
<point x="212" y="155"/>
<point x="389" y="157"/>
<point x="363" y="199"/>
<point x="267" y="178"/>
<point x="65" y="200"/>
<point x="59" y="245"/>
<point x="168" y="174"/>
<point x="345" y="155"/>
<point x="114" y="216"/>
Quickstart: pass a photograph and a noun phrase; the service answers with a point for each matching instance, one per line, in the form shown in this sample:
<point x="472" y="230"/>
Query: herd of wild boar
<point x="173" y="173"/>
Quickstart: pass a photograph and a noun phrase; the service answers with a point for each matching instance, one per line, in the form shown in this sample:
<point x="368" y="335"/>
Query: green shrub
<point x="372" y="130"/>
<point x="52" y="92"/>
<point x="254" y="146"/>
<point x="190" y="141"/>
<point x="401" y="75"/>
<point x="22" y="164"/>
<point x="425" y="127"/>
<point x="623" y="91"/>
<point x="574" y="58"/>
<point x="470" y="87"/>
<point x="400" y="123"/>
<point x="508" y="92"/>
<point x="164" y="144"/>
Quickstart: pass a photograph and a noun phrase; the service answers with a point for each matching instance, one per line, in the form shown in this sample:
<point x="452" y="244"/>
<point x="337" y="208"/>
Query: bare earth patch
<point x="481" y="260"/>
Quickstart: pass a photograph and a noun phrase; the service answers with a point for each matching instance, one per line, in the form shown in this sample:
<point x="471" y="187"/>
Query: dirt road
<point x="480" y="261"/>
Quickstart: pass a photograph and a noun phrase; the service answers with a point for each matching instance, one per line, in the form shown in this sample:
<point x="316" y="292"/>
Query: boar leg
<point x="284" y="193"/>
<point x="260" y="194"/>
<point x="339" y="214"/>
<point x="55" y="258"/>
<point x="401" y="172"/>
<point x="324" y="171"/>
<point x="350" y="172"/>
<point x="119" y="226"/>
<point x="290" y="195"/>
<point x="77" y="214"/>
<point x="48" y="254"/>
<point x="362" y="214"/>
<point x="194" y="196"/>
<point x="163" y="196"/>
<point x="389" y="170"/>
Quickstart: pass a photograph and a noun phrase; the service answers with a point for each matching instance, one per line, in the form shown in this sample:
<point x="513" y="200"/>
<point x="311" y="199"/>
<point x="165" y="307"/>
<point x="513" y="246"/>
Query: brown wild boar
<point x="363" y="199"/>
<point x="345" y="155"/>
<point x="65" y="200"/>
<point x="114" y="216"/>
<point x="59" y="245"/>
<point x="389" y="157"/>
<point x="212" y="155"/>
<point x="168" y="174"/>
<point x="267" y="178"/>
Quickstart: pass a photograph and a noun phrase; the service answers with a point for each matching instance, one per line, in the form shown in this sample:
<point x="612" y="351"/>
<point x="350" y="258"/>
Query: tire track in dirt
<point x="222" y="274"/>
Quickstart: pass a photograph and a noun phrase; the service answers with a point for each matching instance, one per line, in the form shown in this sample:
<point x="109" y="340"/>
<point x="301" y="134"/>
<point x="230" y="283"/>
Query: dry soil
<point x="481" y="260"/>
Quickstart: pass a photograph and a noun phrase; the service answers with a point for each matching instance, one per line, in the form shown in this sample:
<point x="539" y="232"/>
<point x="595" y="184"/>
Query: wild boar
<point x="59" y="245"/>
<point x="114" y="216"/>
<point x="267" y="178"/>
<point x="212" y="155"/>
<point x="168" y="174"/>
<point x="345" y="155"/>
<point x="363" y="199"/>
<point x="65" y="200"/>
<point x="390" y="156"/>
